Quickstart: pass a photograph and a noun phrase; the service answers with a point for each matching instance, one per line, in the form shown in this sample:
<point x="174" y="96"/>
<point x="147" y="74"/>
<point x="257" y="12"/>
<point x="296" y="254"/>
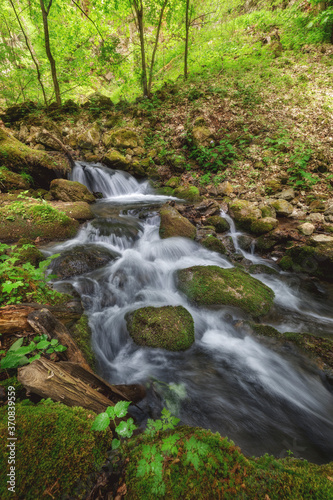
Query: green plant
<point x="215" y="157"/>
<point x="124" y="430"/>
<point x="17" y="353"/>
<point x="299" y="176"/>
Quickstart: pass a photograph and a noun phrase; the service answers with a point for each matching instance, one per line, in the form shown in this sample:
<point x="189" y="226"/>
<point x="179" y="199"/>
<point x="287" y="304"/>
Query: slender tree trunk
<point x="187" y="29"/>
<point x="138" y="7"/>
<point x="45" y="13"/>
<point x="31" y="51"/>
<point x="155" y="46"/>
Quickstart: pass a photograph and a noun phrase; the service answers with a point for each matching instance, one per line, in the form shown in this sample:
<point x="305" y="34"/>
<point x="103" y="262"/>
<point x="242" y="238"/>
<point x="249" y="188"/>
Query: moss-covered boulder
<point x="26" y="251"/>
<point x="122" y="138"/>
<point x="213" y="244"/>
<point x="264" y="225"/>
<point x="262" y="269"/>
<point x="174" y="224"/>
<point x="173" y="182"/>
<point x="203" y="465"/>
<point x="202" y="136"/>
<point x="245" y="213"/>
<point x="78" y="210"/>
<point x="315" y="260"/>
<point x="90" y="138"/>
<point x="57" y="453"/>
<point x="213" y="286"/>
<point x="283" y="208"/>
<point x="28" y="218"/>
<point x="114" y="159"/>
<point x="191" y="193"/>
<point x="166" y="327"/>
<point x="81" y="259"/>
<point x="267" y="211"/>
<point x="64" y="190"/>
<point x="81" y="333"/>
<point x="10" y="181"/>
<point x="19" y="158"/>
<point x="220" y="224"/>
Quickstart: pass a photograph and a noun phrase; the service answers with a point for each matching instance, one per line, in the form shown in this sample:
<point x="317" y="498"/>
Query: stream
<point x="265" y="400"/>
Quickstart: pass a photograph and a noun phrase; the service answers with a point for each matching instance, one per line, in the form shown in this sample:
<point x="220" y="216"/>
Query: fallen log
<point x="44" y="322"/>
<point x="67" y="383"/>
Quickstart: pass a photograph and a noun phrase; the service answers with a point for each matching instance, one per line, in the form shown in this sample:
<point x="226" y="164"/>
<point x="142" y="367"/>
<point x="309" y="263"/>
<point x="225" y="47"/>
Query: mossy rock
<point x="207" y="466"/>
<point x="78" y="210"/>
<point x="28" y="252"/>
<point x="114" y="159"/>
<point x="263" y="225"/>
<point x="166" y="327"/>
<point x="283" y="208"/>
<point x="74" y="452"/>
<point x="81" y="333"/>
<point x="213" y="244"/>
<point x="173" y="182"/>
<point x="245" y="213"/>
<point x="220" y="224"/>
<point x="30" y="219"/>
<point x="173" y="224"/>
<point x="202" y="136"/>
<point x="191" y="193"/>
<point x="313" y="260"/>
<point x="265" y="242"/>
<point x="90" y="138"/>
<point x="262" y="269"/>
<point x="10" y="181"/>
<point x="166" y="191"/>
<point x="64" y="190"/>
<point x="122" y="138"/>
<point x="211" y="285"/>
<point x="19" y="158"/>
<point x="268" y="211"/>
<point x="20" y="391"/>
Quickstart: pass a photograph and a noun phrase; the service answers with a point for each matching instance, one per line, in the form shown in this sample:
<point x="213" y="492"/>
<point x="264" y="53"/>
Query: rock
<point x="90" y="138"/>
<point x="267" y="211"/>
<point x="208" y="208"/>
<point x="9" y="181"/>
<point x="244" y="212"/>
<point x="122" y="138"/>
<point x="18" y="158"/>
<point x="81" y="259"/>
<point x="264" y="225"/>
<point x="315" y="260"/>
<point x="283" y="208"/>
<point x="166" y="327"/>
<point x="329" y="208"/>
<point x="224" y="189"/>
<point x="316" y="217"/>
<point x="262" y="269"/>
<point x="173" y="182"/>
<point x="116" y="160"/>
<point x="19" y="111"/>
<point x="211" y="285"/>
<point x="78" y="210"/>
<point x="213" y="244"/>
<point x="46" y="140"/>
<point x="307" y="228"/>
<point x="64" y="190"/>
<point x="190" y="193"/>
<point x="245" y="242"/>
<point x="81" y="334"/>
<point x="287" y="194"/>
<point x="174" y="224"/>
<point x="322" y="238"/>
<point x="98" y="101"/>
<point x="273" y="185"/>
<point x="317" y="206"/>
<point x="220" y="224"/>
<point x="202" y="136"/>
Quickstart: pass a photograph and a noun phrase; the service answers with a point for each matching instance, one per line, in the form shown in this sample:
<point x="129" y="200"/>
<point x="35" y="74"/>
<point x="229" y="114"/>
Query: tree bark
<point x="155" y="46"/>
<point x="138" y="7"/>
<point x="187" y="29"/>
<point x="45" y="13"/>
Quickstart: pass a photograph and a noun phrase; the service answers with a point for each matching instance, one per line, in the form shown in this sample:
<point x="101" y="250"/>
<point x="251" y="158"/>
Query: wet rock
<point x="315" y="260"/>
<point x="208" y="208"/>
<point x="262" y="269"/>
<point x="167" y="327"/>
<point x="116" y="160"/>
<point x="220" y="224"/>
<point x="244" y="212"/>
<point x="307" y="228"/>
<point x="80" y="260"/>
<point x="283" y="208"/>
<point x="213" y="244"/>
<point x="264" y="225"/>
<point x="78" y="210"/>
<point x="245" y="242"/>
<point x="174" y="224"/>
<point x="64" y="190"/>
<point x="211" y="285"/>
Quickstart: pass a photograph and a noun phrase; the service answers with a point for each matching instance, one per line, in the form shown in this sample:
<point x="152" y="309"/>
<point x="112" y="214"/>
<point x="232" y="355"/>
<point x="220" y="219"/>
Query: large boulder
<point x="122" y="138"/>
<point x="213" y="286"/>
<point x="64" y="190"/>
<point x="220" y="224"/>
<point x="116" y="160"/>
<point x="10" y="181"/>
<point x="18" y="158"/>
<point x="174" y="224"/>
<point x="166" y="327"/>
<point x="78" y="210"/>
<point x="80" y="260"/>
<point x="244" y="212"/>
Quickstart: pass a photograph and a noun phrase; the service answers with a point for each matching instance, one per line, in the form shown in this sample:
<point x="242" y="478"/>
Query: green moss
<point x="245" y="213"/>
<point x="265" y="330"/>
<point x="174" y="224"/>
<point x="220" y="224"/>
<point x="211" y="285"/>
<point x="262" y="226"/>
<point x="265" y="242"/>
<point x="262" y="269"/>
<point x="81" y="333"/>
<point x="286" y="263"/>
<point x="56" y="450"/>
<point x="213" y="244"/>
<point x="190" y="194"/>
<point x="173" y="182"/>
<point x="20" y="392"/>
<point x="222" y="472"/>
<point x="165" y="327"/>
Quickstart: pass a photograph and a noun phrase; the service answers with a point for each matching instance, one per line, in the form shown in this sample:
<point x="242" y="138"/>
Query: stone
<point x="264" y="225"/>
<point x="167" y="327"/>
<point x="322" y="238"/>
<point x="190" y="193"/>
<point x="173" y="182"/>
<point x="287" y="194"/>
<point x="114" y="159"/>
<point x="10" y="181"/>
<point x="307" y="228"/>
<point x="267" y="211"/>
<point x="122" y="138"/>
<point x="78" y="210"/>
<point x="329" y="208"/>
<point x="225" y="189"/>
<point x="173" y="224"/>
<point x="244" y="212"/>
<point x="220" y="224"/>
<point x="316" y="217"/>
<point x="214" y="244"/>
<point x="212" y="286"/>
<point x="202" y="136"/>
<point x="47" y="140"/>
<point x="283" y="208"/>
<point x="90" y="138"/>
<point x="64" y="190"/>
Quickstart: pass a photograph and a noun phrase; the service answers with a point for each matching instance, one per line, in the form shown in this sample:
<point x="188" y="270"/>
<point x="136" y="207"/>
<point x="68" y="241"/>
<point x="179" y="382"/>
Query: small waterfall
<point x="234" y="384"/>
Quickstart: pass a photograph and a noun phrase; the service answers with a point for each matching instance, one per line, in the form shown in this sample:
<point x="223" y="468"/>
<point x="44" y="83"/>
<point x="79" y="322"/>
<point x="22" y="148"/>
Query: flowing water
<point x="227" y="381"/>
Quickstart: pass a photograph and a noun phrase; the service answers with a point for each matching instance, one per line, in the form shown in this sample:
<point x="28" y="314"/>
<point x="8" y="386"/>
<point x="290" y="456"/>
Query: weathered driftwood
<point x="44" y="322"/>
<point x="13" y="318"/>
<point x="69" y="384"/>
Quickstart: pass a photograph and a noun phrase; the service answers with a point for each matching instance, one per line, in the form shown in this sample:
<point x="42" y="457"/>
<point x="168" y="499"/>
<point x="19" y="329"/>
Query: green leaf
<point x="43" y="344"/>
<point x="60" y="348"/>
<point x="16" y="345"/>
<point x="54" y="342"/>
<point x="37" y="356"/>
<point x="120" y="408"/>
<point x="110" y="411"/>
<point x="115" y="444"/>
<point x="49" y="351"/>
<point x="101" y="422"/>
<point x="125" y="429"/>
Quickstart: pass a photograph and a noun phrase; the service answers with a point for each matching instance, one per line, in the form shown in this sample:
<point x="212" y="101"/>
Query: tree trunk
<point x="138" y="7"/>
<point x="155" y="46"/>
<point x="45" y="13"/>
<point x="187" y="29"/>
